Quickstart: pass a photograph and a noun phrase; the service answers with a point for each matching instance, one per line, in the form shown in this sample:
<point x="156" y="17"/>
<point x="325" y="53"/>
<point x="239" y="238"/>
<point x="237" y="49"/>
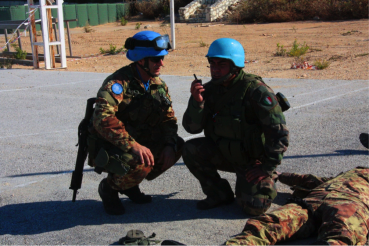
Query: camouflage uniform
<point x="134" y="115"/>
<point x="338" y="209"/>
<point x="243" y="126"/>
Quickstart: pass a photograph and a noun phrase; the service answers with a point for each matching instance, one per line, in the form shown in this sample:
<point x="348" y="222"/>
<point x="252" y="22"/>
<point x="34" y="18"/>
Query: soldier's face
<point x="219" y="67"/>
<point x="155" y="64"/>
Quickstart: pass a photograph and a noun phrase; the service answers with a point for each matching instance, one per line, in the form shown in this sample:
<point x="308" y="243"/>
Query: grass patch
<point x="123" y="21"/>
<point x="112" y="50"/>
<point x="281" y="51"/>
<point x="87" y="28"/>
<point x="138" y="25"/>
<point x="321" y="64"/>
<point x="298" y="50"/>
<point x="349" y="32"/>
<point x="19" y="53"/>
<point x="203" y="44"/>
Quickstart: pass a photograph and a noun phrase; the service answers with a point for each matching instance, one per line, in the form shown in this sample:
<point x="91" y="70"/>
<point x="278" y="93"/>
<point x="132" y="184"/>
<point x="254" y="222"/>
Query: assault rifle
<point x="77" y="174"/>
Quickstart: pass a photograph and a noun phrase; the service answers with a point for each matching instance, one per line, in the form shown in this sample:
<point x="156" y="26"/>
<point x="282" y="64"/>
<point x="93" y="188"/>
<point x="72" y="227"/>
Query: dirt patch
<point x="343" y="43"/>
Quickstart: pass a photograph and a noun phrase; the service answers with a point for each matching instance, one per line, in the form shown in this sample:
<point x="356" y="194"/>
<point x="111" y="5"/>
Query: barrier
<point x="122" y="10"/>
<point x="103" y="13"/>
<point x="69" y="11"/>
<point x="93" y="15"/>
<point x="4" y="15"/>
<point x="82" y="16"/>
<point x="112" y="13"/>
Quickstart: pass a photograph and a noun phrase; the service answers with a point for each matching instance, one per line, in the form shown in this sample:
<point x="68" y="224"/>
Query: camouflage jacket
<point x="351" y="185"/>
<point x="134" y="114"/>
<point x="249" y="111"/>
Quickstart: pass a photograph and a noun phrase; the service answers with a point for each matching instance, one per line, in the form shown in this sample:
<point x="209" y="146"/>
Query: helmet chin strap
<point x="146" y="68"/>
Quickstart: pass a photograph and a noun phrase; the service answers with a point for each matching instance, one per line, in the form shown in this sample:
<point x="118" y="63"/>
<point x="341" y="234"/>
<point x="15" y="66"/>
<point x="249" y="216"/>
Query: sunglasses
<point x="156" y="59"/>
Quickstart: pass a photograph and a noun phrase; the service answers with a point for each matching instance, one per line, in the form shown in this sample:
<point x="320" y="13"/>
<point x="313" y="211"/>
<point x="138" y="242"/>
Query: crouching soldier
<point x="134" y="133"/>
<point x="245" y="132"/>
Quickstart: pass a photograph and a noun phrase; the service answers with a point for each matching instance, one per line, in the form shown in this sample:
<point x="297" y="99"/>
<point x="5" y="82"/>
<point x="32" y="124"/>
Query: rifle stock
<point x="77" y="174"/>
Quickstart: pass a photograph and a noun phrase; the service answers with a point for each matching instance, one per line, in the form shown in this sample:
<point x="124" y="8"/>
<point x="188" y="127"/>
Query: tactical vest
<point x="142" y="111"/>
<point x="239" y="141"/>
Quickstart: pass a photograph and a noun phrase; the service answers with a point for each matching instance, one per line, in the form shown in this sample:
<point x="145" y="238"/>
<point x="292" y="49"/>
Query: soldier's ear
<point x="141" y="62"/>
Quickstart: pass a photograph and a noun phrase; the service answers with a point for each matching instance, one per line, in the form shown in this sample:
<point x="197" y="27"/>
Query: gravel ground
<point x="40" y="114"/>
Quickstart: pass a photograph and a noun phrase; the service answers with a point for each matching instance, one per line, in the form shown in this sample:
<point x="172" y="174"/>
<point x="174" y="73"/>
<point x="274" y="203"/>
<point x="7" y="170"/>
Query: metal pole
<point x="172" y="27"/>
<point x="6" y="39"/>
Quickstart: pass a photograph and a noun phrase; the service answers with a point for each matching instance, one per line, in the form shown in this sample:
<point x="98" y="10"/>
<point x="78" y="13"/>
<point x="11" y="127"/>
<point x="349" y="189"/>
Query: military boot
<point x="110" y="199"/>
<point x="364" y="139"/>
<point x="136" y="195"/>
<point x="210" y="203"/>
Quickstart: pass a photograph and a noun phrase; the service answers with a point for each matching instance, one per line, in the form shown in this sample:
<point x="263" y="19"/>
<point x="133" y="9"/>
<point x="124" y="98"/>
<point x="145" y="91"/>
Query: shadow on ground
<point x="48" y="216"/>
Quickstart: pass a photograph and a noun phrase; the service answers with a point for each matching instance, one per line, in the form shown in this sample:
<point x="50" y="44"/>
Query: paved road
<point x="40" y="112"/>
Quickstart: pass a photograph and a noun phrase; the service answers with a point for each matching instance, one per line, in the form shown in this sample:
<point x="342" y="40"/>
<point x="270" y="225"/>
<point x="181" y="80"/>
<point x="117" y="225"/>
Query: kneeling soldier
<point x="134" y="133"/>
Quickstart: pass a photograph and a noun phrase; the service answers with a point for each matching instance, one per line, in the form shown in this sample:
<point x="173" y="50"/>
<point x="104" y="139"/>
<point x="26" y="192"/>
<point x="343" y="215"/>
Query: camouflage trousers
<point x="203" y="158"/>
<point x="137" y="170"/>
<point x="337" y="221"/>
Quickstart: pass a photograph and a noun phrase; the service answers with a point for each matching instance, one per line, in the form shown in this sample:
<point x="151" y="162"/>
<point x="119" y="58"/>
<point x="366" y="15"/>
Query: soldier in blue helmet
<point x="245" y="132"/>
<point x="134" y="131"/>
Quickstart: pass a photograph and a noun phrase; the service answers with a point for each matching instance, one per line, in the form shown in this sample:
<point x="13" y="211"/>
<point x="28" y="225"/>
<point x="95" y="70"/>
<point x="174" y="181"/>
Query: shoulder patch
<point x="267" y="100"/>
<point x="117" y="88"/>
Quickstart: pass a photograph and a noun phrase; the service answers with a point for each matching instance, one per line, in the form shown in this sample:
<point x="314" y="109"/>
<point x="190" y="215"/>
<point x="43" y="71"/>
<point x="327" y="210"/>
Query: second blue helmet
<point x="228" y="48"/>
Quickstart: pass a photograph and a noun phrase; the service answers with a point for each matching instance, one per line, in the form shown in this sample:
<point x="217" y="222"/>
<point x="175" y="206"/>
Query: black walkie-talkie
<point x="198" y="80"/>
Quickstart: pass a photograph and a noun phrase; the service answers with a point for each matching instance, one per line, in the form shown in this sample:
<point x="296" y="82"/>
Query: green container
<point x="103" y="13"/>
<point x="69" y="12"/>
<point x="93" y="15"/>
<point x="4" y="16"/>
<point x="112" y="13"/>
<point x="121" y="10"/>
<point x="18" y="12"/>
<point x="82" y="15"/>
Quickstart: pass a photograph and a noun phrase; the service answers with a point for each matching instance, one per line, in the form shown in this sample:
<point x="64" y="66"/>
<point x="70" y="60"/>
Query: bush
<point x="153" y="9"/>
<point x="20" y="54"/>
<point x="321" y="64"/>
<point x="281" y="51"/>
<point x="123" y="21"/>
<point x="112" y="50"/>
<point x="286" y="10"/>
<point x="298" y="50"/>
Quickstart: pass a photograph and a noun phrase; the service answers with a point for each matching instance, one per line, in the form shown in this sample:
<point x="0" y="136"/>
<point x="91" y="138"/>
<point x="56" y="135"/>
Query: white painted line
<point x="329" y="98"/>
<point x="36" y="87"/>
<point x="33" y="134"/>
<point x="307" y="93"/>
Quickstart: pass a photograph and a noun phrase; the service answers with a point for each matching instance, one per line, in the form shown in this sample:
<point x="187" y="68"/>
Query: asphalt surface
<point x="39" y="115"/>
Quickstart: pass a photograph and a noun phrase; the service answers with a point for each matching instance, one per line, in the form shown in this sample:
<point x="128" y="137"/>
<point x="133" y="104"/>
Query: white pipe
<point x="172" y="27"/>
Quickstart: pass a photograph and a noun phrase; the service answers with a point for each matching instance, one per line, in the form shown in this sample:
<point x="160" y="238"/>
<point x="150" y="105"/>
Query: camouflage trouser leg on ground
<point x="203" y="159"/>
<point x="140" y="171"/>
<point x="344" y="222"/>
<point x="289" y="222"/>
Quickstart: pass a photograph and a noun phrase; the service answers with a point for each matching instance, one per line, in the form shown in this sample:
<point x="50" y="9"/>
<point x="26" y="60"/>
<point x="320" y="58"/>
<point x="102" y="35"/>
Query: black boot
<point x="364" y="139"/>
<point x="110" y="199"/>
<point x="136" y="195"/>
<point x="209" y="203"/>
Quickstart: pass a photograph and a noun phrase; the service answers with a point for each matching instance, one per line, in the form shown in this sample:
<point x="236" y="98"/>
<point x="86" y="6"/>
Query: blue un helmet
<point x="228" y="48"/>
<point x="147" y="44"/>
